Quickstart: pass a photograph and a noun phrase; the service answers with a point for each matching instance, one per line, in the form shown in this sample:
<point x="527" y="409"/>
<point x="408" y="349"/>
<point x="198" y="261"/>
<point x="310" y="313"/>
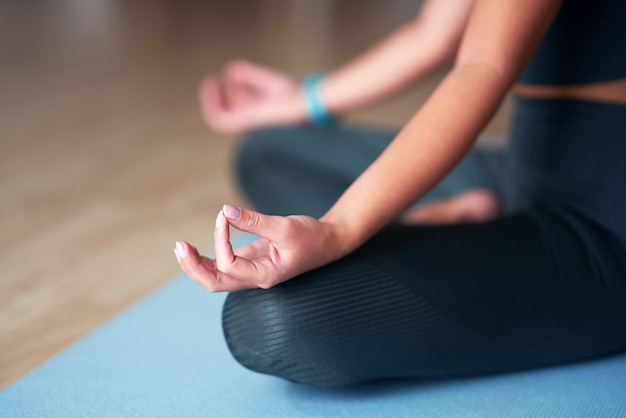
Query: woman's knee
<point x="266" y="334"/>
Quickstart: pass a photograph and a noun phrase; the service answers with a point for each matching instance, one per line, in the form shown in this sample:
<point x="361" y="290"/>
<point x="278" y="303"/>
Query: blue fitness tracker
<point x="316" y="111"/>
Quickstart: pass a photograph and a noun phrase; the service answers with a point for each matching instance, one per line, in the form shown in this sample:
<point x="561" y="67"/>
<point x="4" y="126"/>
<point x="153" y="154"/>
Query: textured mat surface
<point x="166" y="357"/>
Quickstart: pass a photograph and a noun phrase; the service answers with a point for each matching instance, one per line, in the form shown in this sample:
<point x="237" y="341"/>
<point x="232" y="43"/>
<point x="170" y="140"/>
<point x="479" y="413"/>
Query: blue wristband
<point x="316" y="111"/>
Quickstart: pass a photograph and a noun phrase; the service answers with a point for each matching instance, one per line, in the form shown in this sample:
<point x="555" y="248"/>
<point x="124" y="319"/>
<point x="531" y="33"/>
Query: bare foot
<point x="477" y="205"/>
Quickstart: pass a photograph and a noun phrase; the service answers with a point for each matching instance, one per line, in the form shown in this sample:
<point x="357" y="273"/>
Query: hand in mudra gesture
<point x="288" y="246"/>
<point x="247" y="96"/>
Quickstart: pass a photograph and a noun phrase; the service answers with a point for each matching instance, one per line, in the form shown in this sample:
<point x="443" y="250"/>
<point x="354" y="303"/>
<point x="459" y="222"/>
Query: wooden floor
<point x="104" y="159"/>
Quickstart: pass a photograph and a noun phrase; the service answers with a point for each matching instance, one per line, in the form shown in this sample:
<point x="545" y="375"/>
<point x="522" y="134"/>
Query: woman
<point x="355" y="296"/>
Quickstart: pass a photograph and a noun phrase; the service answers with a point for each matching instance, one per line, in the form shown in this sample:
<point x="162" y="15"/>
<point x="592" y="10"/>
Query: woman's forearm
<point x="499" y="40"/>
<point x="433" y="141"/>
<point x="405" y="56"/>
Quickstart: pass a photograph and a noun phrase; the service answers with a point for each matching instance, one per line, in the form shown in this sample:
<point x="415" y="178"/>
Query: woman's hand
<point x="248" y="96"/>
<point x="288" y="246"/>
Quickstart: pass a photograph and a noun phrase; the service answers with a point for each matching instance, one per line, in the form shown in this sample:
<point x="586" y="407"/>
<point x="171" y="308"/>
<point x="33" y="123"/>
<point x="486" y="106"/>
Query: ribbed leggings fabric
<point x="544" y="284"/>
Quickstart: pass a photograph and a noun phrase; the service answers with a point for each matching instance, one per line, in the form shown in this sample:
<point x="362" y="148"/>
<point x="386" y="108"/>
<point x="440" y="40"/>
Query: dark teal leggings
<point x="544" y="284"/>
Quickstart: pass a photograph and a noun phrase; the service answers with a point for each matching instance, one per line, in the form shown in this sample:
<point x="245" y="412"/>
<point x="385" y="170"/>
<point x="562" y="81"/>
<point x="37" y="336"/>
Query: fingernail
<point x="219" y="220"/>
<point x="180" y="250"/>
<point x="231" y="212"/>
<point x="176" y="254"/>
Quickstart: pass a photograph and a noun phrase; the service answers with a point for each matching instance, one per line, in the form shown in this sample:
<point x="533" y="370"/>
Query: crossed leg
<point x="474" y="205"/>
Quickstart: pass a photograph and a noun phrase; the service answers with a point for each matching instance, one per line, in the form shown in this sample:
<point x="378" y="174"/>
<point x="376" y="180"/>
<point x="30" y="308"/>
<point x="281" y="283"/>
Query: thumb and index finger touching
<point x="243" y="74"/>
<point x="237" y="269"/>
<point x="245" y="220"/>
<point x="255" y="76"/>
<point x="250" y="221"/>
<point x="226" y="98"/>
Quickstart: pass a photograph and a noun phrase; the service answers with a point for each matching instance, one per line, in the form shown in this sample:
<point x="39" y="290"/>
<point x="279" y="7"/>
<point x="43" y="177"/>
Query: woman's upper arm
<point x="503" y="35"/>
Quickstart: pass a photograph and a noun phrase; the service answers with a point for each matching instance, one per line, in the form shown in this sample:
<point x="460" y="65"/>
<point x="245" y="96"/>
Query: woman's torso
<point x="568" y="139"/>
<point x="583" y="55"/>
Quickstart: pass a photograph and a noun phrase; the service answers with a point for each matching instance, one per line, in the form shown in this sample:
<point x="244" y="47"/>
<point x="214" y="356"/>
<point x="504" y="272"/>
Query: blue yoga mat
<point x="166" y="357"/>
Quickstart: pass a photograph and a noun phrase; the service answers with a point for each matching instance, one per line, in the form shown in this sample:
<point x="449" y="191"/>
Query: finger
<point x="215" y="108"/>
<point x="256" y="76"/>
<point x="203" y="271"/>
<point x="200" y="269"/>
<point x="223" y="248"/>
<point x="211" y="98"/>
<point x="237" y="91"/>
<point x="211" y="93"/>
<point x="265" y="226"/>
<point x="236" y="71"/>
<point x="226" y="260"/>
<point x="237" y="96"/>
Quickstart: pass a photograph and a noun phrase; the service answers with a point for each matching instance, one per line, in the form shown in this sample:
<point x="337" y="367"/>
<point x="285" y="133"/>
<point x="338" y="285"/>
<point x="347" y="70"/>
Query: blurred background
<point x="104" y="159"/>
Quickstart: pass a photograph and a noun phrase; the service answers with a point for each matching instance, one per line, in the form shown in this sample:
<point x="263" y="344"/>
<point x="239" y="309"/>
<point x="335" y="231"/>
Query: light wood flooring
<point x="104" y="159"/>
